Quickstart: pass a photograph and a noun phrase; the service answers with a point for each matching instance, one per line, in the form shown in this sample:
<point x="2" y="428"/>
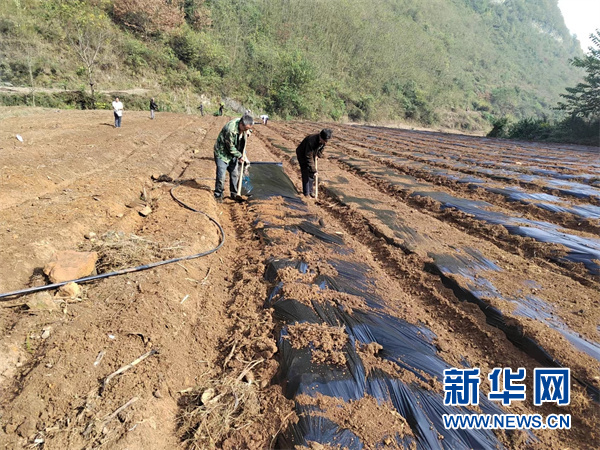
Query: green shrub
<point x="136" y="54"/>
<point x="186" y="46"/>
<point x="579" y="131"/>
<point x="174" y="79"/>
<point x="531" y="129"/>
<point x="63" y="100"/>
<point x="7" y="26"/>
<point x="499" y="128"/>
<point x="573" y="130"/>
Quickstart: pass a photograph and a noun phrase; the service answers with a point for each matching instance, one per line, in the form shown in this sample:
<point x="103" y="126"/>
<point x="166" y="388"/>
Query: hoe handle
<point x="317" y="178"/>
<point x="241" y="173"/>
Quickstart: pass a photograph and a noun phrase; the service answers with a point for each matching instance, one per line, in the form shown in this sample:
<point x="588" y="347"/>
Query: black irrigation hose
<point x="131" y="269"/>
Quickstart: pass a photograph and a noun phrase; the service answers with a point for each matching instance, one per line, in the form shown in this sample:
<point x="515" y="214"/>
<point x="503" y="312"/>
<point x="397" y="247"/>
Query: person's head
<point x="246" y="122"/>
<point x="116" y="99"/>
<point x="325" y="135"/>
<point x="152" y="99"/>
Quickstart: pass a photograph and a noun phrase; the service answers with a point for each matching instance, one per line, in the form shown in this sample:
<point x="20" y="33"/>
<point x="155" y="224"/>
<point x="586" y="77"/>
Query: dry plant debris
<point x="218" y="407"/>
<point x="116" y="251"/>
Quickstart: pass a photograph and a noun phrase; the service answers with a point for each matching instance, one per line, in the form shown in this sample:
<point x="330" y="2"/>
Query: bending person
<point x="309" y="149"/>
<point x="228" y="153"/>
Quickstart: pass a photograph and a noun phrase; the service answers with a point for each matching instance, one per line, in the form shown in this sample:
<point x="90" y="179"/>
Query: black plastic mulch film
<point x="407" y="345"/>
<point x="472" y="266"/>
<point x="580" y="250"/>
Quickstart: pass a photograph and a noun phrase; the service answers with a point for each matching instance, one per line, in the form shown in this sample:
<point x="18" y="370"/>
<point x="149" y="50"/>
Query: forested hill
<point x="457" y="63"/>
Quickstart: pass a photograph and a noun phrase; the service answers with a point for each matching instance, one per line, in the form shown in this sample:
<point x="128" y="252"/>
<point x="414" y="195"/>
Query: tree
<point x="29" y="55"/>
<point x="87" y="29"/>
<point x="583" y="100"/>
<point x="89" y="41"/>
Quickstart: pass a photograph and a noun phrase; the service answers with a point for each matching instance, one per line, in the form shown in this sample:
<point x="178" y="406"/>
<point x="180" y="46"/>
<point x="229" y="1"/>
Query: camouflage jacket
<point x="230" y="143"/>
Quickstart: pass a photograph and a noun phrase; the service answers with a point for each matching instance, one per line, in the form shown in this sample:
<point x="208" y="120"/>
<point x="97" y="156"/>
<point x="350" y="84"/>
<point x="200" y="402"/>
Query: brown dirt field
<point x="74" y="174"/>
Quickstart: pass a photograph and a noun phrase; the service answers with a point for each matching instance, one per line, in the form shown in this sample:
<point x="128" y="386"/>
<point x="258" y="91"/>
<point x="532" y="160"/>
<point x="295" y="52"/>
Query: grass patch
<point x="117" y="251"/>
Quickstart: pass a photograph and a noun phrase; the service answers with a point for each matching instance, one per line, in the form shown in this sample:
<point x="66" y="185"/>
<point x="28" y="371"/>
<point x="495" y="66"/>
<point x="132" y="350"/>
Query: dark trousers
<point x="307" y="181"/>
<point x="117" y="121"/>
<point x="234" y="176"/>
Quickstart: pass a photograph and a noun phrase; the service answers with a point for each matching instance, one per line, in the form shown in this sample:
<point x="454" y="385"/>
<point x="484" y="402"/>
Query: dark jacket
<point x="153" y="106"/>
<point x="309" y="149"/>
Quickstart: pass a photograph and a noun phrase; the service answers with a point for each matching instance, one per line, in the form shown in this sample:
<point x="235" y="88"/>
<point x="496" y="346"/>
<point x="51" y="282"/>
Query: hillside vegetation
<point x="456" y="63"/>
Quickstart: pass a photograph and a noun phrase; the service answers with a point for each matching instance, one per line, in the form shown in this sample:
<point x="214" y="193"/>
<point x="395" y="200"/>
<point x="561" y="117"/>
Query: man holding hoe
<point x="308" y="152"/>
<point x="230" y="152"/>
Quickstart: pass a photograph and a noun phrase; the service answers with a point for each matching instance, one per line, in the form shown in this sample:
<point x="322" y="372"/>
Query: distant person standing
<point x="221" y="109"/>
<point x="118" y="111"/>
<point x="309" y="149"/>
<point x="228" y="152"/>
<point x="153" y="107"/>
<point x="201" y="108"/>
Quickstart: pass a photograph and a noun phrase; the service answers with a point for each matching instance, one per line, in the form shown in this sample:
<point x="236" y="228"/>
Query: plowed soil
<point x="77" y="183"/>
